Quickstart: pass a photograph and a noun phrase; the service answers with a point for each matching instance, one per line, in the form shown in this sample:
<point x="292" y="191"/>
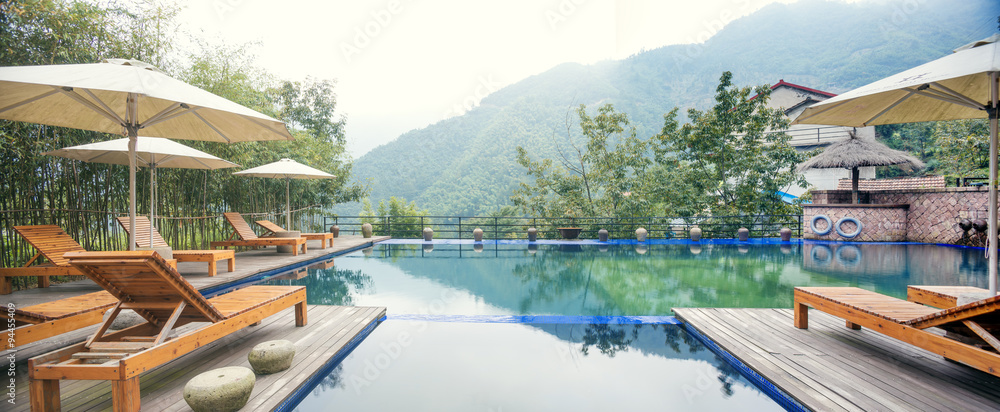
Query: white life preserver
<point x="829" y="225"/>
<point x="851" y="235"/>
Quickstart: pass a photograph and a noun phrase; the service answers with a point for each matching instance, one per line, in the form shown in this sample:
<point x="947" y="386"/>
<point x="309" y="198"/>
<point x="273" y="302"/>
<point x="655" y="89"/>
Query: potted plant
<point x="569" y="232"/>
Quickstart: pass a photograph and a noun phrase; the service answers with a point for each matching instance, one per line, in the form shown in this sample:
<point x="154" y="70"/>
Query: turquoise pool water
<point x="441" y="347"/>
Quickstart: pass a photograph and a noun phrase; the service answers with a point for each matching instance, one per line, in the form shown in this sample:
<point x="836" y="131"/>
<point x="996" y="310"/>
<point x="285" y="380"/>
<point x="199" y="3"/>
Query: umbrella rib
<point x="166" y="117"/>
<point x="262" y="125"/>
<point x="89" y="104"/>
<point x="910" y="92"/>
<point x="156" y="117"/>
<point x="942" y="96"/>
<point x="24" y="102"/>
<point x="819" y="112"/>
<point x="105" y="106"/>
<point x="955" y="94"/>
<point x="211" y="126"/>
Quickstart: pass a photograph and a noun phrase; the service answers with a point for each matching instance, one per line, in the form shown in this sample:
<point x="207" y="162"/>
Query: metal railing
<point x="461" y="227"/>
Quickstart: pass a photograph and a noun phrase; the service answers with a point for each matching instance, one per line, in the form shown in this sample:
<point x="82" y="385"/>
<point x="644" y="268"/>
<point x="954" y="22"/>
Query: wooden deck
<point x="330" y="330"/>
<point x="248" y="263"/>
<point x="830" y="367"/>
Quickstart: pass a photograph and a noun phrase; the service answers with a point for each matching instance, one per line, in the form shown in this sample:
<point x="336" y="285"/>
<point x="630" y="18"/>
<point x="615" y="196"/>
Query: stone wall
<point x="879" y="223"/>
<point x="931" y="215"/>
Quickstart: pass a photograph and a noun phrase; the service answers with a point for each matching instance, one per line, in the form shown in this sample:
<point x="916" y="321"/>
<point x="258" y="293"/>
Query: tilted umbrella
<point x="151" y="152"/>
<point x="962" y="85"/>
<point x="123" y="97"/>
<point x="287" y="169"/>
<point x="858" y="152"/>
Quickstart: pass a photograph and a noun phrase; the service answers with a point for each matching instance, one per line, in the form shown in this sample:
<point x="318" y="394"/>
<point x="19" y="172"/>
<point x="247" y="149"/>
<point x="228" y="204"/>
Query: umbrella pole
<point x="131" y="126"/>
<point x="288" y="205"/>
<point x="992" y="234"/>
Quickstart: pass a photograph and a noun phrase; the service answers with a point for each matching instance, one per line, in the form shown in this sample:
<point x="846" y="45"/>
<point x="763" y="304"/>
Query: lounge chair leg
<point x="212" y="268"/>
<point x="125" y="395"/>
<point x="6" y="286"/>
<point x="43" y="281"/>
<point x="801" y="316"/>
<point x="232" y="264"/>
<point x="300" y="314"/>
<point x="853" y="325"/>
<point x="44" y="395"/>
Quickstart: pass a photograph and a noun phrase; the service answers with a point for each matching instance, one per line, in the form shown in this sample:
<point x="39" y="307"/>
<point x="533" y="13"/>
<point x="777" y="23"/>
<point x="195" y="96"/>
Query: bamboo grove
<point x="84" y="198"/>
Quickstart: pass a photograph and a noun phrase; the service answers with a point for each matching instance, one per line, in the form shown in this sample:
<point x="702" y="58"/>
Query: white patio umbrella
<point x="962" y="85"/>
<point x="287" y="169"/>
<point x="123" y="97"/>
<point x="151" y="152"/>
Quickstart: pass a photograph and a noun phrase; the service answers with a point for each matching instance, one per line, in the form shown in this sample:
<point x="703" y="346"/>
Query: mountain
<point x="466" y="165"/>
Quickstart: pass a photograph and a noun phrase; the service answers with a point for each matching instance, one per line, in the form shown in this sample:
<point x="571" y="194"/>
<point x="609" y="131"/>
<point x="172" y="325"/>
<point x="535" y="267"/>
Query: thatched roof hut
<point x="858" y="152"/>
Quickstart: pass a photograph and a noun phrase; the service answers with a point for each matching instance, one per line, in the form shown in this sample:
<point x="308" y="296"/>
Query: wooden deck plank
<point x="162" y="388"/>
<point x="867" y="370"/>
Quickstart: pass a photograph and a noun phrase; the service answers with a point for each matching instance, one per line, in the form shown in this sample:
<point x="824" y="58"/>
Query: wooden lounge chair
<point x="247" y="238"/>
<point x="323" y="238"/>
<point x="36" y="322"/>
<point x="142" y="281"/>
<point x="212" y="257"/>
<point x="943" y="297"/>
<point x="977" y="323"/>
<point x="51" y="242"/>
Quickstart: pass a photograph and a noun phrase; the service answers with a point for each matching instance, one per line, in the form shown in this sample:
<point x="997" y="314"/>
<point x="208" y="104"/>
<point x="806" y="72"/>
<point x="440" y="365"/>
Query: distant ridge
<point x="466" y="165"/>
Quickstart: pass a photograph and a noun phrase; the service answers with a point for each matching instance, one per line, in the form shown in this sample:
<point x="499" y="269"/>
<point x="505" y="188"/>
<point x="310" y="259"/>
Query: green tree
<point x="394" y="218"/>
<point x="599" y="178"/>
<point x="963" y="147"/>
<point x="731" y="159"/>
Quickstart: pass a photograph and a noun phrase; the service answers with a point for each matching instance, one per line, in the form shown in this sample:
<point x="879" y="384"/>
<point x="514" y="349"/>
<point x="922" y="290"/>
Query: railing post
<point x="496" y="232"/>
<point x="460" y="228"/>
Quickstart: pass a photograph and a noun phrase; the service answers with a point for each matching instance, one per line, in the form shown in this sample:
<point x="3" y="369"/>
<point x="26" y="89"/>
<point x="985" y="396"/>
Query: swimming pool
<point x="513" y="326"/>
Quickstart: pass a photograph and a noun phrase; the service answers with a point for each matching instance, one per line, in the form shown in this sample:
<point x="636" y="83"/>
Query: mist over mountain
<point x="466" y="165"/>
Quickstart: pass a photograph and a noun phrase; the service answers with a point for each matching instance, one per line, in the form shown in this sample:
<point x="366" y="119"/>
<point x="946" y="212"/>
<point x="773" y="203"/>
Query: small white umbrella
<point x="123" y="97"/>
<point x="287" y="169"/>
<point x="962" y="85"/>
<point x="151" y="152"/>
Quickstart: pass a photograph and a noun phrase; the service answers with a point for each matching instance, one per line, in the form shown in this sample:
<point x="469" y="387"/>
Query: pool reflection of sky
<point x="506" y="367"/>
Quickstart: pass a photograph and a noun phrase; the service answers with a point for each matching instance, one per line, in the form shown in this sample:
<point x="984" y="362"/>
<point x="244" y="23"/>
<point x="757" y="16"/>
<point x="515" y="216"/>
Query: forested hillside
<point x="467" y="164"/>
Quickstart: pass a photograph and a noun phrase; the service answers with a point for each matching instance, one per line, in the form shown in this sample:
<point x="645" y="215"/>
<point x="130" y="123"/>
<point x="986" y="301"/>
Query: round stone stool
<point x="271" y="356"/>
<point x="220" y="390"/>
<point x="287" y="234"/>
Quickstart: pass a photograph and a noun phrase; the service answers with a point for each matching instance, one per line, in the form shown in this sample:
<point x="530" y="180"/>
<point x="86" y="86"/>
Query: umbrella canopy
<point x="151" y="152"/>
<point x="123" y="97"/>
<point x="287" y="169"/>
<point x="858" y="152"/>
<point x="962" y="85"/>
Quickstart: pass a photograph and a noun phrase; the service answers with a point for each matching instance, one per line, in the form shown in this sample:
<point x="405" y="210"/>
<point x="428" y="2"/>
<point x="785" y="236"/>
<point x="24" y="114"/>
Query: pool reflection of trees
<point x="331" y="286"/>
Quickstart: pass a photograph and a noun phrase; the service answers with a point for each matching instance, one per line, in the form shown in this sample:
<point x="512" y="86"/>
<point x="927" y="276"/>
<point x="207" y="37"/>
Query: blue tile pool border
<point x="541" y="319"/>
<point x="300" y="393"/>
<point x="775" y="393"/>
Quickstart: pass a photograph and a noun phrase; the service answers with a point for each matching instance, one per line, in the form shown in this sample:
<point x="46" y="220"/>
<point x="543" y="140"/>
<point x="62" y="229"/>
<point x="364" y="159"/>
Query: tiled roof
<point x="924" y="182"/>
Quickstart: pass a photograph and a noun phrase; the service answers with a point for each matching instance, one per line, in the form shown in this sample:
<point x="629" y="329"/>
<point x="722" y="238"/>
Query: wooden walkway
<point x="829" y="367"/>
<point x="330" y="329"/>
<point x="248" y="263"/>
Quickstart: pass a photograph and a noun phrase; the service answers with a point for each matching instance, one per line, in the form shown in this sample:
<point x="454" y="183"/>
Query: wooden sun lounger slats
<point x="51" y="242"/>
<point x="212" y="257"/>
<point x="49" y="319"/>
<point x="323" y="238"/>
<point x="143" y="281"/>
<point x="939" y="296"/>
<point x="247" y="237"/>
<point x="910" y="321"/>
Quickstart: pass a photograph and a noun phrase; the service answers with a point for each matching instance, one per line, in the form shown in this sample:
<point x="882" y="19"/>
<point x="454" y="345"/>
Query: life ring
<point x="850" y="263"/>
<point x="848" y="235"/>
<point x="817" y="248"/>
<point x="829" y="225"/>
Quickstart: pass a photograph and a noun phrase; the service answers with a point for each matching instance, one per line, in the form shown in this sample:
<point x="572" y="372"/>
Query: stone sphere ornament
<point x="366" y="230"/>
<point x="220" y="390"/>
<point x="640" y="234"/>
<point x="696" y="233"/>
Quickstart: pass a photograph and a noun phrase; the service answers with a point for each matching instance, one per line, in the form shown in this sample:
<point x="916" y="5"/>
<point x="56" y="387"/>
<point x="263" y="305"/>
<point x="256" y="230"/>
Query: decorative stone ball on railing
<point x="477" y="234"/>
<point x="366" y="230"/>
<point x="640" y="234"/>
<point x="335" y="230"/>
<point x="696" y="233"/>
<point x="602" y="235"/>
<point x="428" y="234"/>
<point x="532" y="234"/>
<point x="965" y="224"/>
<point x="786" y="234"/>
<point x="980" y="225"/>
<point x="743" y="234"/>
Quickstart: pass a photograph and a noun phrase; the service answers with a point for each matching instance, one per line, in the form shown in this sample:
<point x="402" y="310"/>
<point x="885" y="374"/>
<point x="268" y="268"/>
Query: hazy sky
<point x="405" y="64"/>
